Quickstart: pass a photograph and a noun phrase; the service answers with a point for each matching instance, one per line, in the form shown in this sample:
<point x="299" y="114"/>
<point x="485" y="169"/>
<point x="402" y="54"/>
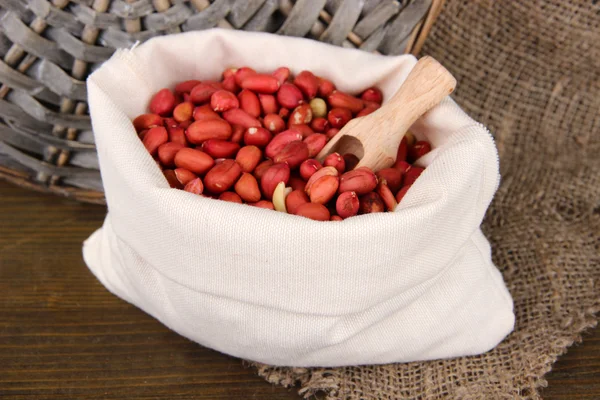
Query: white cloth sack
<point x="416" y="284"/>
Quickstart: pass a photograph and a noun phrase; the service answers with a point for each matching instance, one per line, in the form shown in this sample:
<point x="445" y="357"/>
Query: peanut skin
<point x="314" y="211"/>
<point x="275" y="174"/>
<point x="347" y="204"/>
<point x="248" y="157"/>
<point x="323" y="189"/>
<point x="371" y="203"/>
<point x="361" y="181"/>
<point x="193" y="160"/>
<point x="222" y="176"/>
<point x="295" y="200"/>
<point x="247" y="188"/>
<point x="325" y="171"/>
<point x="294" y="153"/>
<point x="147" y="121"/>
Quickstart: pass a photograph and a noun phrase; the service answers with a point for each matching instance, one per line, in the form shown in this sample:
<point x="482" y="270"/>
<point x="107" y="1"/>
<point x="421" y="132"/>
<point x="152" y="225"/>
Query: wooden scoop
<point x="375" y="138"/>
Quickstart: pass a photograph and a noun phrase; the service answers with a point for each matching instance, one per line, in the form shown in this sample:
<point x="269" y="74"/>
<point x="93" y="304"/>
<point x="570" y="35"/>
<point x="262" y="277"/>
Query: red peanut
<point x="301" y="115"/>
<point x="223" y="100"/>
<point x="365" y="111"/>
<point x="308" y="83"/>
<point x="372" y="104"/>
<point x="263" y="204"/>
<point x="167" y="151"/>
<point x="274" y="123"/>
<point x="372" y="94"/>
<point x="309" y="167"/>
<point x="172" y="179"/>
<point x="162" y="103"/>
<point x="268" y="103"/>
<point x="392" y="176"/>
<point x="401" y="193"/>
<point x="371" y="203"/>
<point x="338" y="117"/>
<point x="247" y="188"/>
<point x="184" y="175"/>
<point x="361" y="181"/>
<point x="194" y="160"/>
<point x="259" y="137"/>
<point x="238" y="133"/>
<point x="230" y="85"/>
<point x="248" y="157"/>
<point x="282" y="74"/>
<point x="249" y="102"/>
<point x="186" y="86"/>
<point x="294" y="200"/>
<point x="314" y="211"/>
<point x="202" y="113"/>
<point x="339" y="99"/>
<point x="325" y="171"/>
<point x="411" y="175"/>
<point x="237" y="116"/>
<point x="386" y="195"/>
<point x="242" y="73"/>
<point x="194" y="186"/>
<point x="402" y="150"/>
<point x="418" y="150"/>
<point x="304" y="129"/>
<point x="280" y="141"/>
<point x="296" y="183"/>
<point x="326" y="87"/>
<point x="331" y="132"/>
<point x="260" y="83"/>
<point x="347" y="204"/>
<point x="336" y="161"/>
<point x="229" y="72"/>
<point x="319" y="125"/>
<point x="218" y="148"/>
<point x="147" y="121"/>
<point x="202" y="92"/>
<point x="231" y="197"/>
<point x="284" y="112"/>
<point x="183" y="112"/>
<point x="293" y="154"/>
<point x="169" y="123"/>
<point x="201" y="131"/>
<point x="222" y="176"/>
<point x="315" y="143"/>
<point x="185" y="124"/>
<point x="275" y="174"/>
<point x="261" y="168"/>
<point x="323" y="189"/>
<point x="155" y="137"/>
<point x="289" y="96"/>
<point x="402" y="166"/>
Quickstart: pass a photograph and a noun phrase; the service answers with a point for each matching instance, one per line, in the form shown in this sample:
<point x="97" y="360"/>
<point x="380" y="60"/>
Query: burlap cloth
<point x="530" y="71"/>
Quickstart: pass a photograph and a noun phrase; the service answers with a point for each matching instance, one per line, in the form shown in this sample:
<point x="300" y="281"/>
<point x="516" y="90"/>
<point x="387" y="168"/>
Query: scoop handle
<point x="425" y="86"/>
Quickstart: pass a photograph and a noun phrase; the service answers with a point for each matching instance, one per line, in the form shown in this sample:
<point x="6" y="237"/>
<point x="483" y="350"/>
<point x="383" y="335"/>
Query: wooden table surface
<point x="63" y="336"/>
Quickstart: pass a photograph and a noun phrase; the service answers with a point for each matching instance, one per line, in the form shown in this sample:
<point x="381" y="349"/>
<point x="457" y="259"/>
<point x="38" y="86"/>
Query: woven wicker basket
<point x="48" y="49"/>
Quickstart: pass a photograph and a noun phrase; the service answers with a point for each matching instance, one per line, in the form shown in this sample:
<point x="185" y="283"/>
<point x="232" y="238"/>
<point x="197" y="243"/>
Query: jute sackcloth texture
<point x="529" y="70"/>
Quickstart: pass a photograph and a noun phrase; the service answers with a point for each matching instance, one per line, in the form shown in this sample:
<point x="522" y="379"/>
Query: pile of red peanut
<point x="252" y="138"/>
